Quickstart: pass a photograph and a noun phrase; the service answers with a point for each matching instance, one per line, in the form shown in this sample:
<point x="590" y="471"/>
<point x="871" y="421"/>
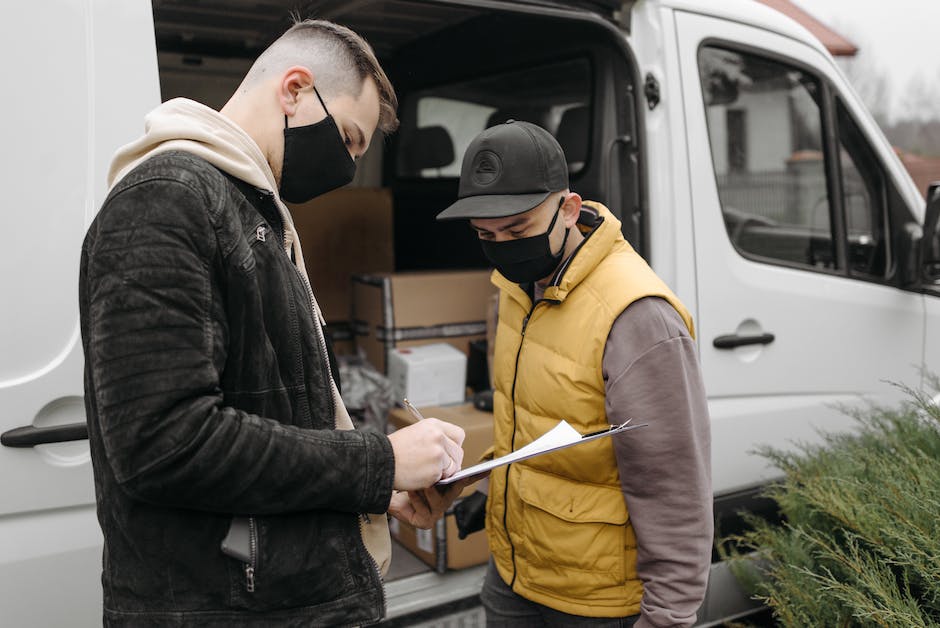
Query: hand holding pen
<point x="421" y="507"/>
<point x="426" y="452"/>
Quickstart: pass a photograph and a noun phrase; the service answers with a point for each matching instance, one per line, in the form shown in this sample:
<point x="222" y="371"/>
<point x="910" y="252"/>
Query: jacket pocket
<point x="301" y="560"/>
<point x="576" y="535"/>
<point x="241" y="543"/>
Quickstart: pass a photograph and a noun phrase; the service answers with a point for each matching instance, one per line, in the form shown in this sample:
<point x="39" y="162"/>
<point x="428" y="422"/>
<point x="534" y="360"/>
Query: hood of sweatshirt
<point x="186" y="125"/>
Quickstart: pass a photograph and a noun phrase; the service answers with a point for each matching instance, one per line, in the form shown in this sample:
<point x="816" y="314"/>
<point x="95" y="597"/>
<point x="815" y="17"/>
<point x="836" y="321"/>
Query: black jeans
<point x="507" y="609"/>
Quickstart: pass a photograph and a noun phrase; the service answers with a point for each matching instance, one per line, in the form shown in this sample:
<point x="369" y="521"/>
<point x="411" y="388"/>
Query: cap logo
<point x="486" y="167"/>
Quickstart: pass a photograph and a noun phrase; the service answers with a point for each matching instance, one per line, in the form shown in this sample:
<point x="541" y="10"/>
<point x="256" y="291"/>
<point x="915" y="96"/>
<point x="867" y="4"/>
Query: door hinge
<point x="651" y="91"/>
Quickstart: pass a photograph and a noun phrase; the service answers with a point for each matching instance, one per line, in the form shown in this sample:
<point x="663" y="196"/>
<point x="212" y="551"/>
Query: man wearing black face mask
<point x="232" y="488"/>
<point x="616" y="532"/>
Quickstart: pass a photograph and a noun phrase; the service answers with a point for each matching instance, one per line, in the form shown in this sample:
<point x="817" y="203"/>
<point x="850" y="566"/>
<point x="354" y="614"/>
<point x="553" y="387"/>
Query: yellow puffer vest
<point x="557" y="524"/>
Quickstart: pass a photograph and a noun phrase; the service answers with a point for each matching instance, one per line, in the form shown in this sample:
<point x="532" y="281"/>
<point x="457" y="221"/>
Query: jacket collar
<point x="601" y="231"/>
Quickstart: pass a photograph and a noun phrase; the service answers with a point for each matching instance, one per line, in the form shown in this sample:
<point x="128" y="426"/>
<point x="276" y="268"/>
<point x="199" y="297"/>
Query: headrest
<point x="428" y="147"/>
<point x="574" y="134"/>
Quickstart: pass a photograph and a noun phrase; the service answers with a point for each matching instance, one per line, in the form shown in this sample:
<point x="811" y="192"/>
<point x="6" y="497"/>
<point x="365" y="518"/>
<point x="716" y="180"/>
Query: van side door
<point x="81" y="77"/>
<point x="797" y="200"/>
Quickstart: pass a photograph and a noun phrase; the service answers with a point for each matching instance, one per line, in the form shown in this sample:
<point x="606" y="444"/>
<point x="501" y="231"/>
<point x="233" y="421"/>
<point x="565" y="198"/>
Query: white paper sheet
<point x="559" y="437"/>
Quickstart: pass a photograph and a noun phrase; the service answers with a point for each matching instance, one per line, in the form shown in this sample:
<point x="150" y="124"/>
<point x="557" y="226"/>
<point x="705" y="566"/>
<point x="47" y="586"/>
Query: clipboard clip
<point x="612" y="428"/>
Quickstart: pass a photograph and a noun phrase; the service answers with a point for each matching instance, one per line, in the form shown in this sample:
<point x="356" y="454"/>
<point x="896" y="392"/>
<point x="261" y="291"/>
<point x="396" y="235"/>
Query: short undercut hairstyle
<point x="339" y="59"/>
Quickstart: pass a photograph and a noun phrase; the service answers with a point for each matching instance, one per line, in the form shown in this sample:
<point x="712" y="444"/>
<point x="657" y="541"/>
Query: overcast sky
<point x="900" y="38"/>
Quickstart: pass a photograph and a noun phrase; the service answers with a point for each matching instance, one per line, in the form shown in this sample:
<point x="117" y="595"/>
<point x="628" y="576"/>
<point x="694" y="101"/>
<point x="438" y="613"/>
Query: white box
<point x="429" y="375"/>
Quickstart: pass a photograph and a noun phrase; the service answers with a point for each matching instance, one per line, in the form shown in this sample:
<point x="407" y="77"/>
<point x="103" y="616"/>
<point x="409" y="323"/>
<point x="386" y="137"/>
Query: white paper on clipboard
<point x="559" y="437"/>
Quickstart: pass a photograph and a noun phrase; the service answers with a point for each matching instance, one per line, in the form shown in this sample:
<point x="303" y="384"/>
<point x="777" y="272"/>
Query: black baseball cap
<point x="508" y="169"/>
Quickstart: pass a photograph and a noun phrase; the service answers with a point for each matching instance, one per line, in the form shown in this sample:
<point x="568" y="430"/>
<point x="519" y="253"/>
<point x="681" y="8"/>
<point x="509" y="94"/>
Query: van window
<point x="765" y="129"/>
<point x="445" y="118"/>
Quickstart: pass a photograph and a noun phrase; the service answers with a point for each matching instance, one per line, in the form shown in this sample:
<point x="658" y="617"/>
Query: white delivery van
<point x="739" y="160"/>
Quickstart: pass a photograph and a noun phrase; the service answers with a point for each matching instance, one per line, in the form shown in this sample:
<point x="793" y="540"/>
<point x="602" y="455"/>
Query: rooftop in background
<point x="924" y="170"/>
<point x="836" y="44"/>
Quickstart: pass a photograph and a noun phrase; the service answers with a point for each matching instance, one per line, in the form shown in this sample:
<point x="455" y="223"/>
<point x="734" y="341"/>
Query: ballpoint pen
<point x="413" y="410"/>
<point x="417" y="414"/>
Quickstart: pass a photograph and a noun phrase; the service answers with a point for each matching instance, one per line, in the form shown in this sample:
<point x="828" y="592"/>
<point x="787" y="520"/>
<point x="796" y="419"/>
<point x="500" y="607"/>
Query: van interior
<point x="457" y="69"/>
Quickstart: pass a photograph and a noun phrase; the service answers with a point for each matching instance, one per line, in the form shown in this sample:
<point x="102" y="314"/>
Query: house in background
<point x="765" y="130"/>
<point x="836" y="44"/>
<point x="924" y="170"/>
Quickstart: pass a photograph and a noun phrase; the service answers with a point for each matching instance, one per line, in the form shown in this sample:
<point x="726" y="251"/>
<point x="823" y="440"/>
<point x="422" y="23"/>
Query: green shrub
<point x="860" y="542"/>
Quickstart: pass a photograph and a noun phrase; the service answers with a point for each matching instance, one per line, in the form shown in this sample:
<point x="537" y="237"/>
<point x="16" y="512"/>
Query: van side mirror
<point x="930" y="242"/>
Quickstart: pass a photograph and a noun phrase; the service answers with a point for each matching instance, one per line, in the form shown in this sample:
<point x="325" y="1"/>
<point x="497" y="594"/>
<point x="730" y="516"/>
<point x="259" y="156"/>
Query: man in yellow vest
<point x="618" y="531"/>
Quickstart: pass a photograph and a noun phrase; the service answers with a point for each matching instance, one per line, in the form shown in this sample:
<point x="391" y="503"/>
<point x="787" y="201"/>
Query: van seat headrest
<point x="429" y="147"/>
<point x="574" y="136"/>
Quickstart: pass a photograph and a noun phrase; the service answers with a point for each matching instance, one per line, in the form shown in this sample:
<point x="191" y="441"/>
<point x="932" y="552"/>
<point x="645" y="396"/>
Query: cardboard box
<point x="344" y="232"/>
<point x="417" y="308"/>
<point x="428" y="375"/>
<point x="440" y="547"/>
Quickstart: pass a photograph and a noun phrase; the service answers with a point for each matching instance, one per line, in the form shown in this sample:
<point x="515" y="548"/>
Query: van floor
<point x="404" y="563"/>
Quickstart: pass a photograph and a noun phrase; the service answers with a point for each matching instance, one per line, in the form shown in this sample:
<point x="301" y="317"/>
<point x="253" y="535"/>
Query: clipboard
<point x="559" y="437"/>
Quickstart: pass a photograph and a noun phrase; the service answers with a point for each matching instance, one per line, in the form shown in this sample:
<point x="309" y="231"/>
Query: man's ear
<point x="571" y="209"/>
<point x="294" y="80"/>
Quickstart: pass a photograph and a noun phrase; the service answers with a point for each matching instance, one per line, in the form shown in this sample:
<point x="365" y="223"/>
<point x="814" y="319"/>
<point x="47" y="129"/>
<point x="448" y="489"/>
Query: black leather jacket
<point x="207" y="395"/>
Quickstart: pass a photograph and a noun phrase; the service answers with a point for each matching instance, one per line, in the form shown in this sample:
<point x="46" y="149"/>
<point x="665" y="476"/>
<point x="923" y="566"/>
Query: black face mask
<point x="315" y="159"/>
<point x="526" y="260"/>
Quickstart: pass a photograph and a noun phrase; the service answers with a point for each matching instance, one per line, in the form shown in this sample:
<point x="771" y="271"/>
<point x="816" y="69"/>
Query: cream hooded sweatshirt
<point x="186" y="125"/>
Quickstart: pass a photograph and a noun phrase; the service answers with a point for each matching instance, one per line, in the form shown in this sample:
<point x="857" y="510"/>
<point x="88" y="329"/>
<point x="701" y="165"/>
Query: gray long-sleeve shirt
<point x="651" y="373"/>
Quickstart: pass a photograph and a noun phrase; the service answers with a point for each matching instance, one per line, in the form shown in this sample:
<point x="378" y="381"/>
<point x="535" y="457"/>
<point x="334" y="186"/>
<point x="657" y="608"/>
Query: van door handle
<point x="730" y="341"/>
<point x="30" y="436"/>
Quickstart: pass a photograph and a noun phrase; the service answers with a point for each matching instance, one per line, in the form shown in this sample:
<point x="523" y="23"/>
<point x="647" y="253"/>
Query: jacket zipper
<point x="326" y="358"/>
<point x="313" y="306"/>
<point x="329" y="370"/>
<point x="260" y="236"/>
<point x="556" y="281"/>
<point x="253" y="554"/>
<point x="261" y="232"/>
<point x="363" y="519"/>
<point x="515" y="375"/>
<point x="321" y="340"/>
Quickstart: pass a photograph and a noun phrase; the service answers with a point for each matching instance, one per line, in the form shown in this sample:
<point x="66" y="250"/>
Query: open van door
<point x="581" y="89"/>
<point x="796" y="211"/>
<point x="59" y="146"/>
